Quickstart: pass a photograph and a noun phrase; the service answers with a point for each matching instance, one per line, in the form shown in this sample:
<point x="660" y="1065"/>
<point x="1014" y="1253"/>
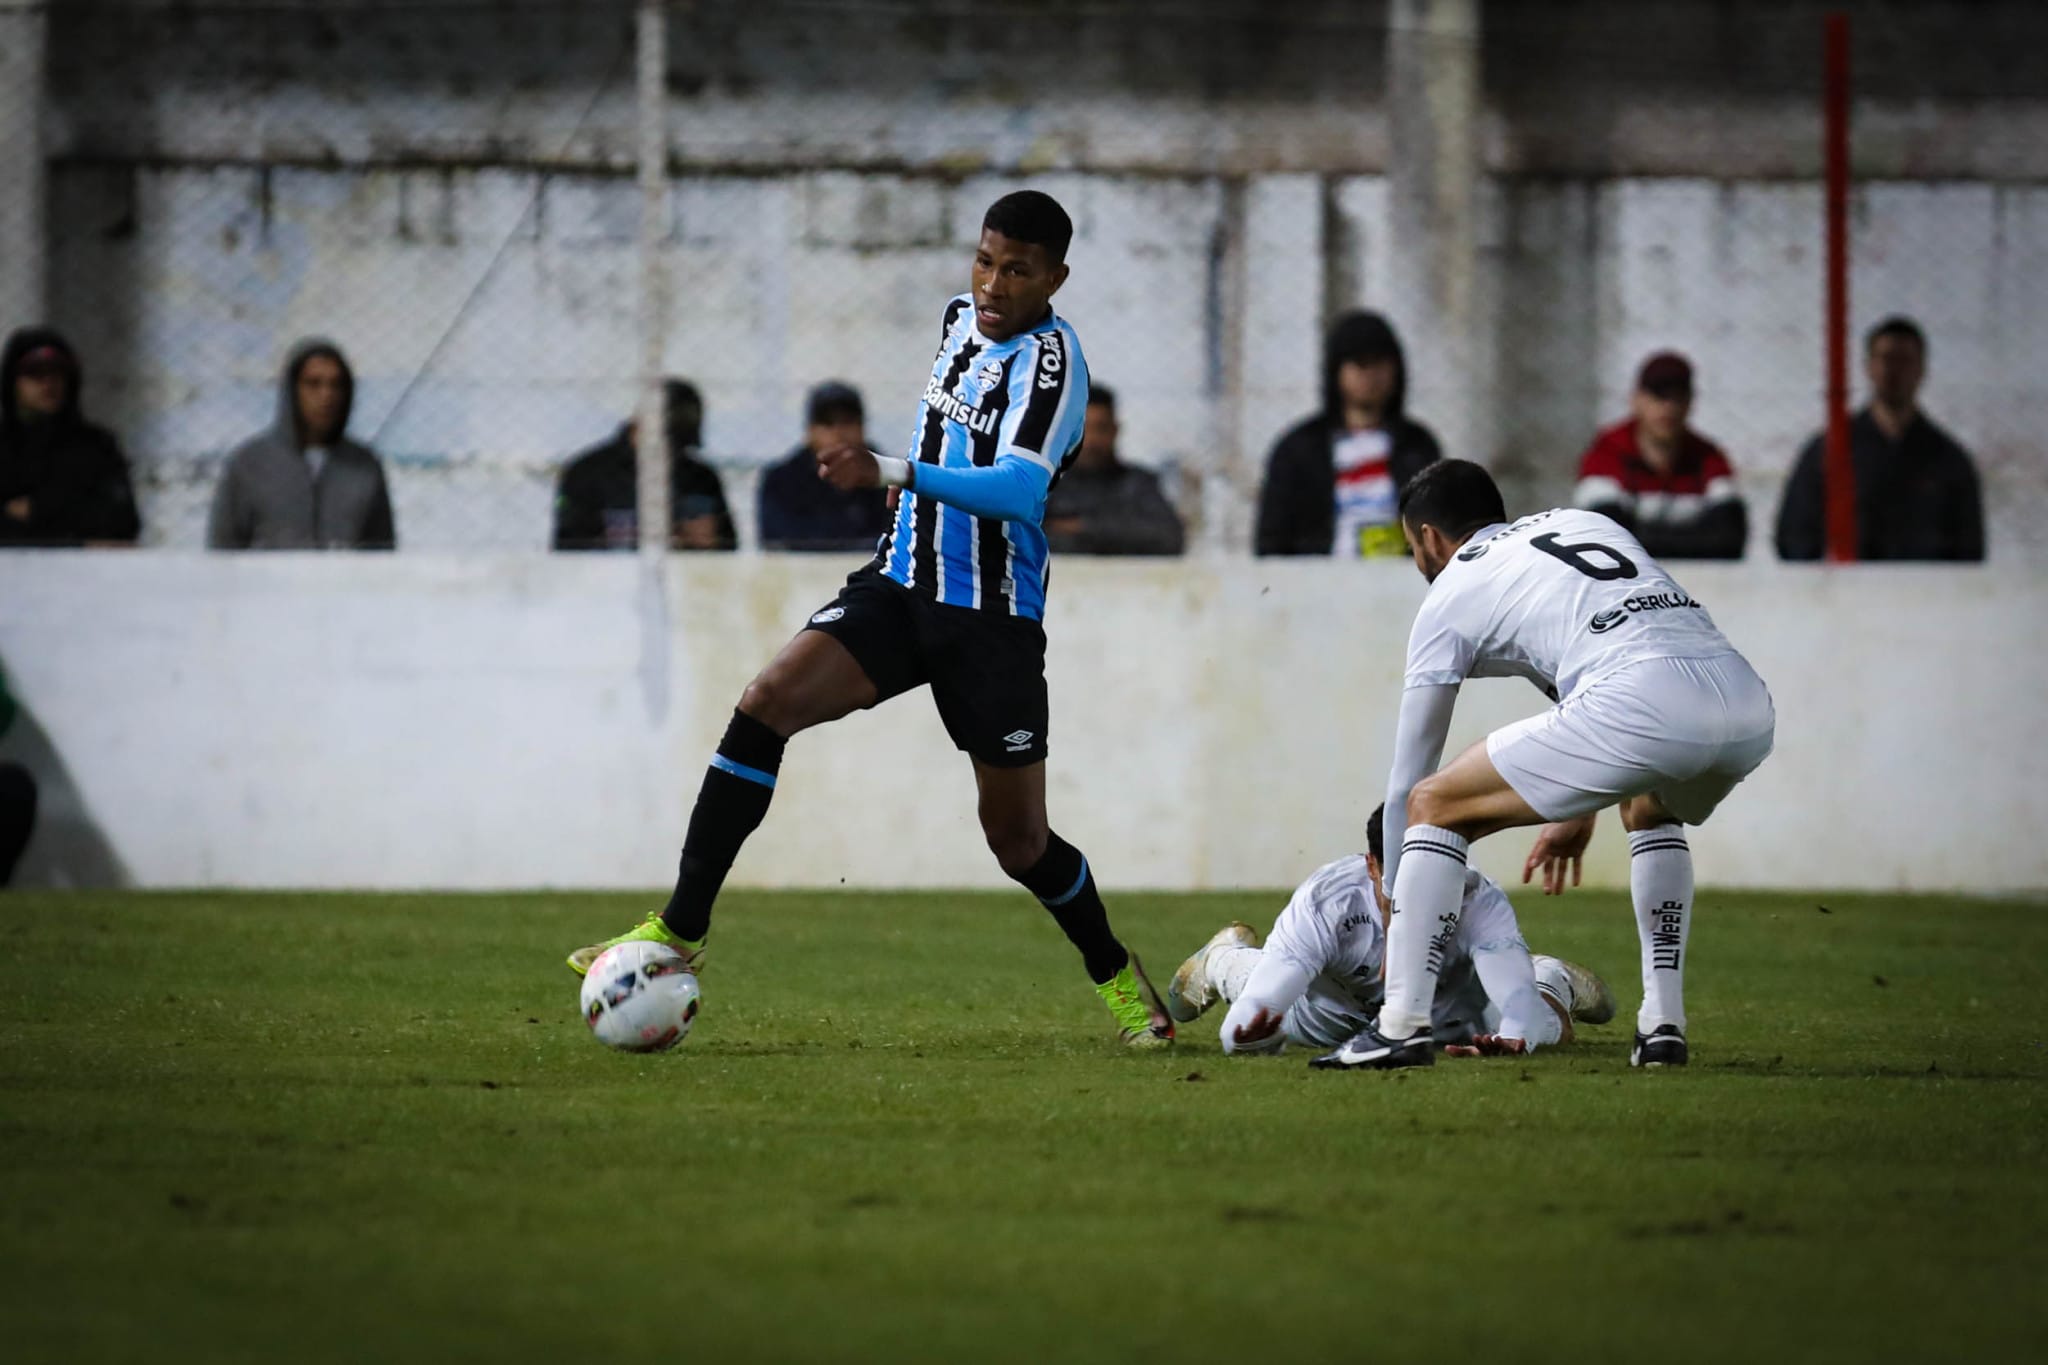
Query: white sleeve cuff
<point x="895" y="471"/>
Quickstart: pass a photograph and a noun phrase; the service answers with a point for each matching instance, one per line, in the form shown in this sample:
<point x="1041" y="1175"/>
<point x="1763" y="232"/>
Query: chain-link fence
<point x="446" y="190"/>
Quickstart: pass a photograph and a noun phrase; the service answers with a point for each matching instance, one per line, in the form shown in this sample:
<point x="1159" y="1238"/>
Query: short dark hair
<point x="834" y="401"/>
<point x="1897" y="325"/>
<point x="1102" y="395"/>
<point x="681" y="393"/>
<point x="1032" y="216"/>
<point x="1455" y="496"/>
<point x="1376" y="835"/>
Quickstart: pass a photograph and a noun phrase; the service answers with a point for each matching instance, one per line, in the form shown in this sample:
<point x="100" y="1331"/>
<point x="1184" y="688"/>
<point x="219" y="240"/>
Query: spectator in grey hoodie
<point x="303" y="485"/>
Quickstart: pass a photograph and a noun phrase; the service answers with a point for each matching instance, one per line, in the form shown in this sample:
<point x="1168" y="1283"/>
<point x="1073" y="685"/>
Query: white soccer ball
<point x="640" y="997"/>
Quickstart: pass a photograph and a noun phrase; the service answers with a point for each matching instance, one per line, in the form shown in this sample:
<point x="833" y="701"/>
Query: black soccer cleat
<point x="1370" y="1050"/>
<point x="1662" y="1046"/>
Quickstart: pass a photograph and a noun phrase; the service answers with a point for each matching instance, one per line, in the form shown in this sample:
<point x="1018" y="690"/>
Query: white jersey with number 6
<point x="1561" y="598"/>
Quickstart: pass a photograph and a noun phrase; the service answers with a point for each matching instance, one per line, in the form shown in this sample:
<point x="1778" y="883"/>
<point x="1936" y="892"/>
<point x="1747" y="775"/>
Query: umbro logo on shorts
<point x="828" y="616"/>
<point x="1018" y="741"/>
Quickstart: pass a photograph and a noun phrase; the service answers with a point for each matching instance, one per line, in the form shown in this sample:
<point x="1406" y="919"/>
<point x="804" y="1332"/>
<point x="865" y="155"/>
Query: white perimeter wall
<point x="412" y="721"/>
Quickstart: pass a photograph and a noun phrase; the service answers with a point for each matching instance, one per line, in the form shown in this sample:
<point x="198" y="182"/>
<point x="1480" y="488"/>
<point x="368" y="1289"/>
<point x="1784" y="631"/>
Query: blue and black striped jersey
<point x="988" y="403"/>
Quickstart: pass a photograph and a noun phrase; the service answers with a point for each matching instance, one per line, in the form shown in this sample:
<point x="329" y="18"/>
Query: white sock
<point x="1660" y="882"/>
<point x="1553" y="980"/>
<point x="1229" y="968"/>
<point x="1428" y="898"/>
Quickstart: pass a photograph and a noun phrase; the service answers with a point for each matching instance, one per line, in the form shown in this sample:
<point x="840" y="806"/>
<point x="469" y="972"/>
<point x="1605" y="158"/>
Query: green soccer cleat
<point x="1190" y="992"/>
<point x="1142" y="1022"/>
<point x="649" y="930"/>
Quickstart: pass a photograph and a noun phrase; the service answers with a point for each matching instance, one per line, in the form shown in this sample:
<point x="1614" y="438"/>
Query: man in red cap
<point x="63" y="481"/>
<point x="1667" y="484"/>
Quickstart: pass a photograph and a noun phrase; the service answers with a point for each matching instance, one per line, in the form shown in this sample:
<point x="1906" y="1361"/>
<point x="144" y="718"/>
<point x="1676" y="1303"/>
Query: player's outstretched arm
<point x="1011" y="489"/>
<point x="1255" y="1018"/>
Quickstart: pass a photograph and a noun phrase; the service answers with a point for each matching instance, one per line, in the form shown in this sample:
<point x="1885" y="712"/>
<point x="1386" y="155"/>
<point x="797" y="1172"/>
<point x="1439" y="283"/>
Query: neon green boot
<point x="650" y="930"/>
<point x="1142" y="1022"/>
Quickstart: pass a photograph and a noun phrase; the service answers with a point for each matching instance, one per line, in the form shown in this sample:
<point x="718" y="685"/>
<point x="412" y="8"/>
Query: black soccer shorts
<point x="986" y="671"/>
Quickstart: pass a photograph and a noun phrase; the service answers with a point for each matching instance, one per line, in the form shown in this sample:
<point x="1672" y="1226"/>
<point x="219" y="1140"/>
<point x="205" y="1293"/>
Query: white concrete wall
<point x="401" y="721"/>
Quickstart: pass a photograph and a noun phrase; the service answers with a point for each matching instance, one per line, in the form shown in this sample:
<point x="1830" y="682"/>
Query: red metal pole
<point x="1840" y="472"/>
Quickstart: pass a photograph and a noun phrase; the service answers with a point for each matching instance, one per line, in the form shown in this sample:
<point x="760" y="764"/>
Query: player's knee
<point x="1017" y="845"/>
<point x="1426" y="804"/>
<point x="767" y="700"/>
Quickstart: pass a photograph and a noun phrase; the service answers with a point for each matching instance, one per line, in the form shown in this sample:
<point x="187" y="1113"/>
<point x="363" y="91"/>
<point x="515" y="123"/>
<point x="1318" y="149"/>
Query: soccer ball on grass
<point x="640" y="997"/>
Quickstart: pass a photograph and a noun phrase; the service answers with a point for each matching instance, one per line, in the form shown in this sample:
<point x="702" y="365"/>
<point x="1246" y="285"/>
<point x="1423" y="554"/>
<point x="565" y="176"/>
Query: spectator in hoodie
<point x="1334" y="480"/>
<point x="1101" y="506"/>
<point x="1670" y="486"/>
<point x="303" y="484"/>
<point x="63" y="481"/>
<point x="597" y="498"/>
<point x="1917" y="495"/>
<point x="799" y="510"/>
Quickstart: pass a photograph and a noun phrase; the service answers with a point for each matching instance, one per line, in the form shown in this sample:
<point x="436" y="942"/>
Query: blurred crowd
<point x="1330" y="486"/>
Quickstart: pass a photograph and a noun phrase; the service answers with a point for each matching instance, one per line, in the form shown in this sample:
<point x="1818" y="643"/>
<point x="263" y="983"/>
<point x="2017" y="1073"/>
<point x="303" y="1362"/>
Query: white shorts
<point x="1684" y="730"/>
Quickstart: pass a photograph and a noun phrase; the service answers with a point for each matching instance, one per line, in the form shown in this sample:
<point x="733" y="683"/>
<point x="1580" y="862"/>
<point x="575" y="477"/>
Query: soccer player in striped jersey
<point x="953" y="599"/>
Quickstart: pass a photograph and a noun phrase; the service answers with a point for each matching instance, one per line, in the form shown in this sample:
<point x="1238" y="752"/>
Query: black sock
<point x="730" y="806"/>
<point x="1064" y="885"/>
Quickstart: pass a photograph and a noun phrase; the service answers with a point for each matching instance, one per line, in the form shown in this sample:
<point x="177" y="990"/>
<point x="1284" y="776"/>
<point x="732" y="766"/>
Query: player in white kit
<point x="1318" y="978"/>
<point x="1656" y="712"/>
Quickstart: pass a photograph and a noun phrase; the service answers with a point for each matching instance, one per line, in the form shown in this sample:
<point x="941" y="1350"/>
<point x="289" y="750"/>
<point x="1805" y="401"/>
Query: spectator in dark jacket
<point x="1332" y="482"/>
<point x="1669" y="485"/>
<point x="1917" y="495"/>
<point x="17" y="797"/>
<point x="597" y="499"/>
<point x="799" y="510"/>
<point x="1102" y="506"/>
<point x="303" y="484"/>
<point x="63" y="481"/>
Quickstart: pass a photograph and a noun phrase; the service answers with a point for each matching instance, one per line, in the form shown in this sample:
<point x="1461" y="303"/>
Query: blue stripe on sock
<point x="741" y="770"/>
<point x="1072" y="891"/>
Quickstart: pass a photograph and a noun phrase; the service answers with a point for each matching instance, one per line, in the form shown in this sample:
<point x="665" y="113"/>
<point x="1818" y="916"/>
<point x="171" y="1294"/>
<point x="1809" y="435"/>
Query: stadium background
<point x="1537" y="195"/>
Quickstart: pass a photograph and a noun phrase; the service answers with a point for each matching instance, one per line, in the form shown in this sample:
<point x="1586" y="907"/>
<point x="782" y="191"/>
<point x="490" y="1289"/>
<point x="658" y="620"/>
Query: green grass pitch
<point x="372" y="1128"/>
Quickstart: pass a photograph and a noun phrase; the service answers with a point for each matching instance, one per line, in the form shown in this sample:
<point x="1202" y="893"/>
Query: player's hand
<point x="895" y="496"/>
<point x="1258" y="1029"/>
<point x="1488" y="1045"/>
<point x="1559" y="847"/>
<point x="849" y="467"/>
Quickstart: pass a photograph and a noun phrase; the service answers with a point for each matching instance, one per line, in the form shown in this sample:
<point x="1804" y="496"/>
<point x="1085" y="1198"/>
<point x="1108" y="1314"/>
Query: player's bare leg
<point x="813" y="680"/>
<point x="1466" y="799"/>
<point x="1660" y="882"/>
<point x="1013" y="819"/>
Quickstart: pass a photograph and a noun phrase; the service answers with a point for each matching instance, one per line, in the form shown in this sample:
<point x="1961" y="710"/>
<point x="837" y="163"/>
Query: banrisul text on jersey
<point x="1020" y="401"/>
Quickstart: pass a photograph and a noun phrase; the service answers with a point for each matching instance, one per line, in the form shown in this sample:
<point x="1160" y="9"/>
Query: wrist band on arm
<point x="896" y="473"/>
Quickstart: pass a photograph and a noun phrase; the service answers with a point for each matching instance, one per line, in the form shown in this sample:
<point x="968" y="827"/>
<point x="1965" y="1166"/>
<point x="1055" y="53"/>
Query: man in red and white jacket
<point x="1667" y="484"/>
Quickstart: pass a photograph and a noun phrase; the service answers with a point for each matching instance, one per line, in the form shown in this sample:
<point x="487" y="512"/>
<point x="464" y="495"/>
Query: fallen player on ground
<point x="1318" y="978"/>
